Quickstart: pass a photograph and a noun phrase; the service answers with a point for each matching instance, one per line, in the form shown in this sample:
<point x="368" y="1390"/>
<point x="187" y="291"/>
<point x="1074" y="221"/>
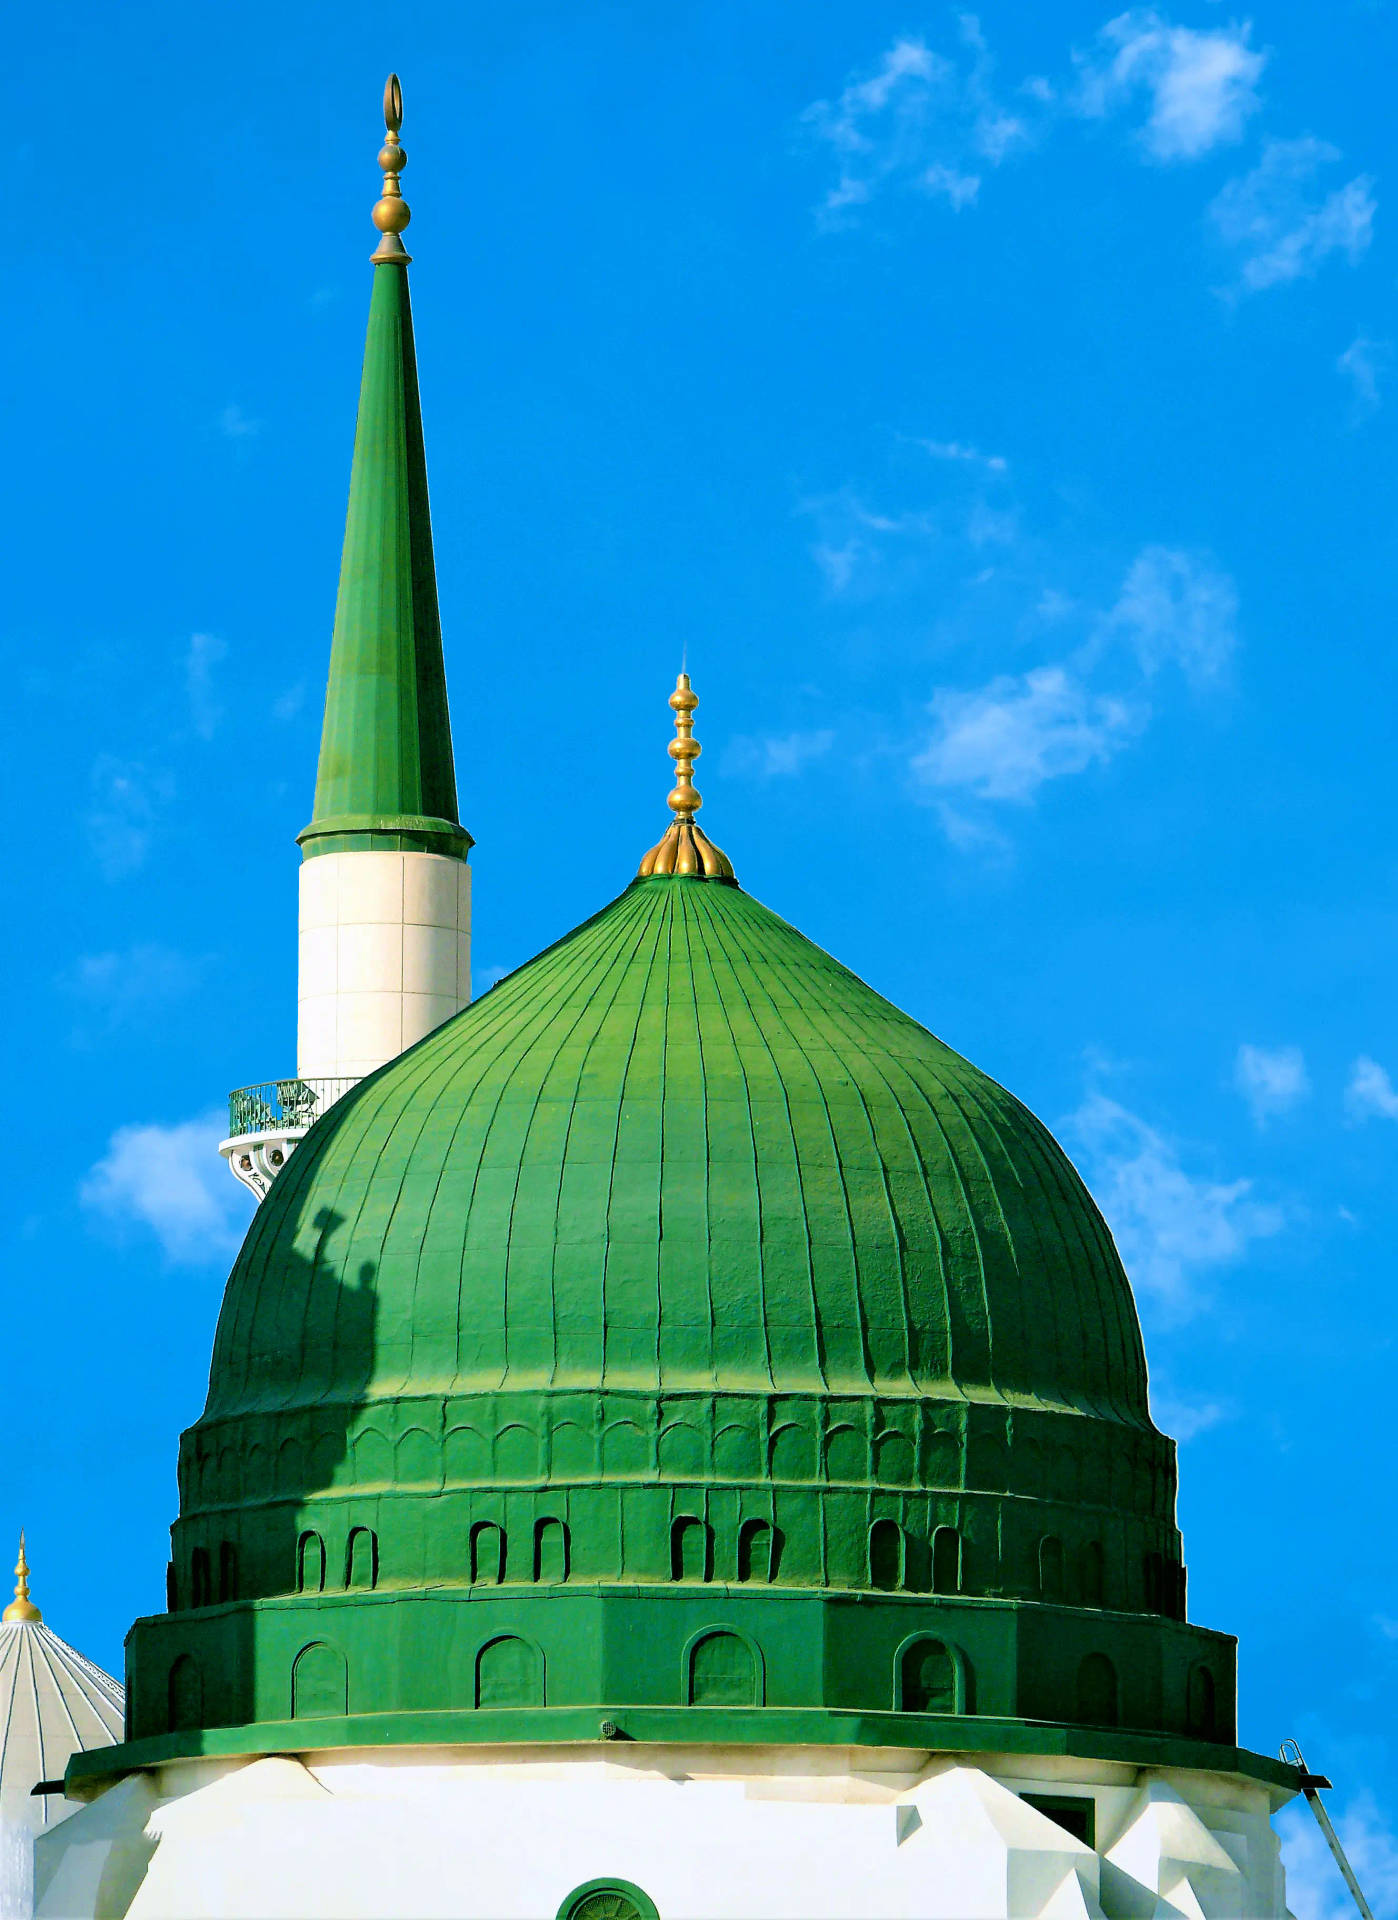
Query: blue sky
<point x="999" y="411"/>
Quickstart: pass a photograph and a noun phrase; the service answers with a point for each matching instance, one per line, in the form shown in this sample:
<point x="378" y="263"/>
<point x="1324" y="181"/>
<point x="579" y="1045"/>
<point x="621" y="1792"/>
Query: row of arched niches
<point x="914" y="1496"/>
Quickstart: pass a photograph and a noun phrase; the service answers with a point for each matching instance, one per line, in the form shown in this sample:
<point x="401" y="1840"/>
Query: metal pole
<point x="1311" y="1784"/>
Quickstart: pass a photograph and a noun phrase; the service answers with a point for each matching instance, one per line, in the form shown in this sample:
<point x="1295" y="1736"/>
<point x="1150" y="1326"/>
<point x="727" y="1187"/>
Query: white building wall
<point x="385" y="956"/>
<point x="708" y="1833"/>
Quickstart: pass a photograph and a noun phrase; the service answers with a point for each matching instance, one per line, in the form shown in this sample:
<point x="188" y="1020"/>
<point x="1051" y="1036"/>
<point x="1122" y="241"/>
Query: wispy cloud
<point x="776" y="756"/>
<point x="1183" y="1419"/>
<point x="1170" y="1225"/>
<point x="1272" y="1080"/>
<point x="169" y="1181"/>
<point x="1199" y="85"/>
<point x="955" y="450"/>
<point x="1366" y="364"/>
<point x="123" y="988"/>
<point x="1004" y="740"/>
<point x="287" y="705"/>
<point x="1370" y="1094"/>
<point x="205" y="652"/>
<point x="124" y="809"/>
<point x="1314" y="1887"/>
<point x="1280" y="222"/>
<point x="920" y="121"/>
<point x="1177" y="608"/>
<point x="235" y="424"/>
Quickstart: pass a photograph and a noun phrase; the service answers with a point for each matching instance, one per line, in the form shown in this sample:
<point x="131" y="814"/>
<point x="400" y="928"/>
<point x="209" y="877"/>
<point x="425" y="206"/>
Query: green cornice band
<point x="384" y="833"/>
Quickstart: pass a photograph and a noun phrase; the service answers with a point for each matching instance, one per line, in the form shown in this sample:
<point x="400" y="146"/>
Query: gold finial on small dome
<point x="21" y="1607"/>
<point x="686" y="848"/>
<point x="391" y="215"/>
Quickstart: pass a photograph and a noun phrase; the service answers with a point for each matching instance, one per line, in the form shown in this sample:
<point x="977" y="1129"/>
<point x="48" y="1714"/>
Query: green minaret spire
<point x="386" y="778"/>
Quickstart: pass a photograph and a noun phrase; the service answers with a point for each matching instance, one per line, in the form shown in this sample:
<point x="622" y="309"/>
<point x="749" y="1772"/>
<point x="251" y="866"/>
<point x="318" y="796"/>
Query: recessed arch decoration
<point x="1098" y="1703"/>
<point x="319" y="1683"/>
<point x="723" y="1669"/>
<point x="932" y="1676"/>
<point x="509" y="1673"/>
<point x="886" y="1555"/>
<point x="310" y="1563"/>
<point x="362" y="1559"/>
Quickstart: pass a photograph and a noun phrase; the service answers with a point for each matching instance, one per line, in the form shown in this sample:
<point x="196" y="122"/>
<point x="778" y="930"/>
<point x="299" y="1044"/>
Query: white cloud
<point x="1277" y="221"/>
<point x="206" y="650"/>
<point x="237" y="425"/>
<point x="972" y="456"/>
<point x="126" y="804"/>
<point x="171" y="1181"/>
<point x="287" y="705"/>
<point x="125" y="986"/>
<point x="1271" y="1079"/>
<point x="1169" y="1224"/>
<point x="1177" y="608"/>
<point x="1004" y="740"/>
<point x="1370" y="1093"/>
<point x="920" y="121"/>
<point x="1314" y="1888"/>
<point x="1184" y="1420"/>
<point x="484" y="978"/>
<point x="1201" y="84"/>
<point x="779" y="756"/>
<point x="1365" y="364"/>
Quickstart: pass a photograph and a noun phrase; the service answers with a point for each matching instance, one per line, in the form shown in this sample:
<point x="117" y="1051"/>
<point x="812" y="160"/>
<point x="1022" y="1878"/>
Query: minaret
<point x="385" y="895"/>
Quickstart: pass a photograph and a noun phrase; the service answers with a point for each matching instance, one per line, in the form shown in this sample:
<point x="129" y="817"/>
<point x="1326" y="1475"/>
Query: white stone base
<point x="705" y="1832"/>
<point x="385" y="957"/>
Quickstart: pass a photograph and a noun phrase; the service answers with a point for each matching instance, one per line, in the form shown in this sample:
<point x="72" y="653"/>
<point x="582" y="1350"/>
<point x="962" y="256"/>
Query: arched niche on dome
<point x="551" y="1549"/>
<point x="943" y="1458"/>
<point x="1098" y="1704"/>
<point x="362" y="1559"/>
<point x="846" y="1455"/>
<point x="1051" y="1572"/>
<point x="682" y="1452"/>
<point x="1201" y="1718"/>
<point x="466" y="1455"/>
<point x="887" y="1555"/>
<point x="227" y="1571"/>
<point x="373" y="1458"/>
<point x="310" y="1563"/>
<point x="291" y="1467"/>
<point x="893" y="1460"/>
<point x="516" y="1453"/>
<point x="932" y="1676"/>
<point x="792" y="1452"/>
<point x="625" y="1451"/>
<point x="572" y="1454"/>
<point x="509" y="1673"/>
<point x="987" y="1463"/>
<point x="487" y="1554"/>
<point x="319" y="1683"/>
<point x="185" y="1695"/>
<point x="691" y="1549"/>
<point x="200" y="1583"/>
<point x="738" y="1452"/>
<point x="327" y="1455"/>
<point x="417" y="1459"/>
<point x="1092" y="1573"/>
<point x="946" y="1560"/>
<point x="723" y="1669"/>
<point x="759" y="1552"/>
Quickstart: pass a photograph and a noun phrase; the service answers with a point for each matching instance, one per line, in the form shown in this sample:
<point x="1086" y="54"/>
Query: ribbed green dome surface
<point x="684" y="1148"/>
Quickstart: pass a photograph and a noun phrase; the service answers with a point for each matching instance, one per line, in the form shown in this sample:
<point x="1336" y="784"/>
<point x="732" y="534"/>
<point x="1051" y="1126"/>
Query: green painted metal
<point x="680" y="1287"/>
<point x="386" y="778"/>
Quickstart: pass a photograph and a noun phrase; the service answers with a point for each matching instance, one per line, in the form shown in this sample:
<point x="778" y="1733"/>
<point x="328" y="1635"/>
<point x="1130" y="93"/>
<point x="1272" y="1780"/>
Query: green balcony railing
<point x="272" y="1105"/>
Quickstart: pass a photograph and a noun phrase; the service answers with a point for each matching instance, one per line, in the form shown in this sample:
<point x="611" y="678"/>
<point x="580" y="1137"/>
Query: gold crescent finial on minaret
<point x="686" y="848"/>
<point x="391" y="215"/>
<point x="21" y="1607"/>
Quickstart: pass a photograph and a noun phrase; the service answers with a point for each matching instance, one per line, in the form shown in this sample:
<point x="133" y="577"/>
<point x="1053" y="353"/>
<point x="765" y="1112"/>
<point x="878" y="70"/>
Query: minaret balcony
<point x="266" y="1121"/>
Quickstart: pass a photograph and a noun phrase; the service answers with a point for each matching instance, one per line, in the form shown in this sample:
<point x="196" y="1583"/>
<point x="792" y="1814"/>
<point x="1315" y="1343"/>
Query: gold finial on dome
<point x="21" y="1607"/>
<point x="391" y="215"/>
<point x="686" y="848"/>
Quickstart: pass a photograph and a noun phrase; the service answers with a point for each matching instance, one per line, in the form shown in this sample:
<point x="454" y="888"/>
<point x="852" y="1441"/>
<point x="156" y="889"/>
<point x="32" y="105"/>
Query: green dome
<point x="589" y="1360"/>
<point x="683" y="1150"/>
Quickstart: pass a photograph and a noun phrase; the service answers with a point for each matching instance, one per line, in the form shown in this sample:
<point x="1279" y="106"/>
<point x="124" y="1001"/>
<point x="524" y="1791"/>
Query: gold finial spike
<point x="21" y="1607"/>
<point x="685" y="849"/>
<point x="391" y="215"/>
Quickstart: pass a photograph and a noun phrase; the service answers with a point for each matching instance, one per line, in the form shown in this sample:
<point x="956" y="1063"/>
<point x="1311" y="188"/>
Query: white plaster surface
<point x="385" y="957"/>
<point x="708" y="1832"/>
